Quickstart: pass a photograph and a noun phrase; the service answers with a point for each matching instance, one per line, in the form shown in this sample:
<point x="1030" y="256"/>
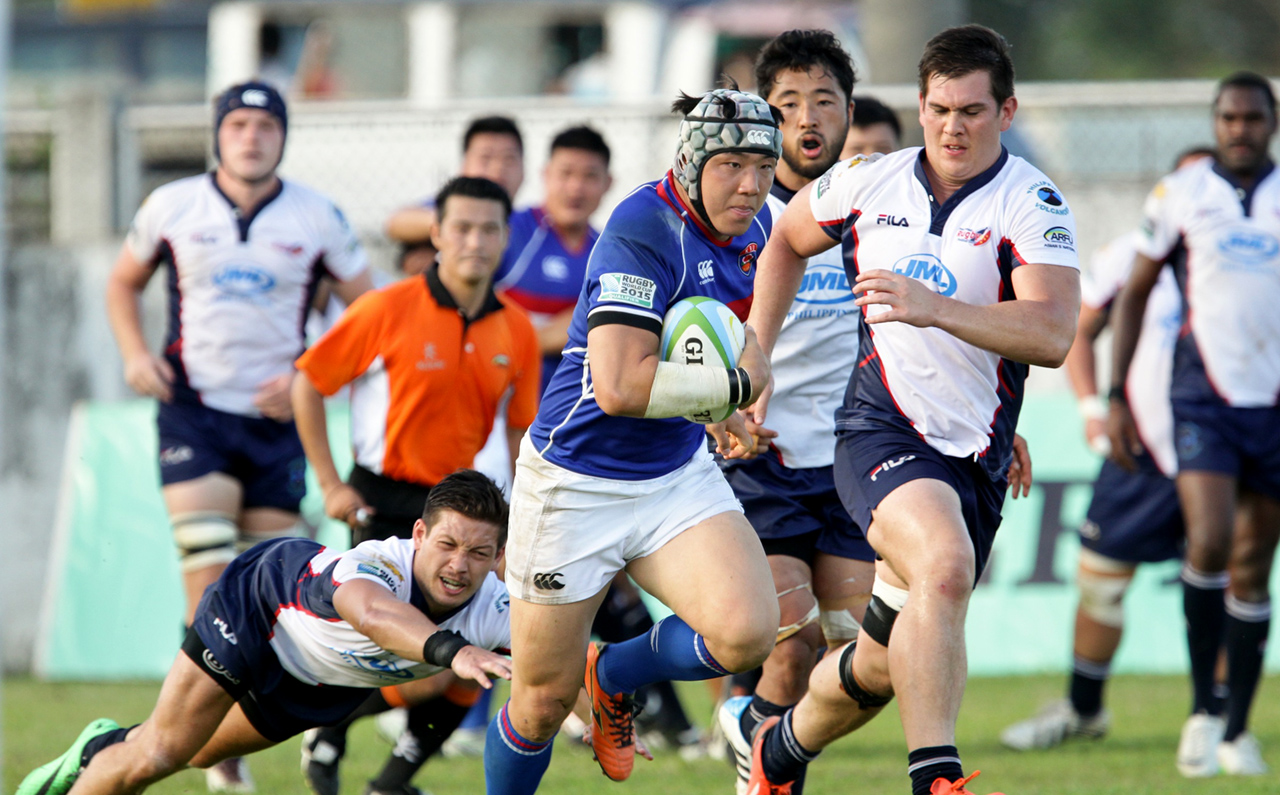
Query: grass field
<point x="40" y="719"/>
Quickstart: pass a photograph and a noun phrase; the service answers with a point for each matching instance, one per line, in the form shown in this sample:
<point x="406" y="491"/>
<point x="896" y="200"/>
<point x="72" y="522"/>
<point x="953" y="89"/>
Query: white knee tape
<point x="893" y="596"/>
<point x="838" y="626"/>
<point x="1102" y="595"/>
<point x="1102" y="564"/>
<point x="247" y="539"/>
<point x="206" y="538"/>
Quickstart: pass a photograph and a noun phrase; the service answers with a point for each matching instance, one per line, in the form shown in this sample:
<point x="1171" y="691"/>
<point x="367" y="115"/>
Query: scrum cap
<point x="248" y="95"/>
<point x="724" y="120"/>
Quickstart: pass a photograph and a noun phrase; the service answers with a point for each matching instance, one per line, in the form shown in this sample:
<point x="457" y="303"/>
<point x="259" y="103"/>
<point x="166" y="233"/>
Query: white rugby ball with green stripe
<point x="701" y="330"/>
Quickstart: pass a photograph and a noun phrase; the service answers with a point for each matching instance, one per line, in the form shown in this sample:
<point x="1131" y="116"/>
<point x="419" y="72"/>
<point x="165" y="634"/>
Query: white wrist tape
<point x="1093" y="408"/>
<point x="680" y="389"/>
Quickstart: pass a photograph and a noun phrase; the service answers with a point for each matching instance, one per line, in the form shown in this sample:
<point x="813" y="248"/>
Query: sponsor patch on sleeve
<point x="379" y="572"/>
<point x="627" y="288"/>
<point x="1059" y="237"/>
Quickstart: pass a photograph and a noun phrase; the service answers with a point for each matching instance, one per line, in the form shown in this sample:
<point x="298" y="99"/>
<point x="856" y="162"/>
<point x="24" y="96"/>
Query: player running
<point x="246" y="251"/>
<point x="1225" y="388"/>
<point x="294" y="635"/>
<point x="1134" y="516"/>
<point x="965" y="274"/>
<point x="610" y="476"/>
<point x="821" y="563"/>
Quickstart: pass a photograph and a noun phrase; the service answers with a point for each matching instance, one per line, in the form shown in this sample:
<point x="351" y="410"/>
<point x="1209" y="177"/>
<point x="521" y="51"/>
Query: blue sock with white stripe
<point x="671" y="651"/>
<point x="512" y="764"/>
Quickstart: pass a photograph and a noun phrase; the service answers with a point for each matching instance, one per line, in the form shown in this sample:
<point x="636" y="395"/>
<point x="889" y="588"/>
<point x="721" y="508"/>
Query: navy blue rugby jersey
<point x="653" y="252"/>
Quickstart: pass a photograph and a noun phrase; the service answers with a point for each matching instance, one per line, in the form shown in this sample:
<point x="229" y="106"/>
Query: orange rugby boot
<point x="613" y="731"/>
<point x="943" y="787"/>
<point x="757" y="784"/>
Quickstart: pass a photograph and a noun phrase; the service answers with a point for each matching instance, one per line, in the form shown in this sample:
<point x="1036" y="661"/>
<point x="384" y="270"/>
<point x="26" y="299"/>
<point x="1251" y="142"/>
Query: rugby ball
<point x="701" y="330"/>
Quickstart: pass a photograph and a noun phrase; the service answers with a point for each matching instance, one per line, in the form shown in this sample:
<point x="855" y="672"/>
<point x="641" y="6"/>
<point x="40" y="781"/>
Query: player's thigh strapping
<point x="571" y="533"/>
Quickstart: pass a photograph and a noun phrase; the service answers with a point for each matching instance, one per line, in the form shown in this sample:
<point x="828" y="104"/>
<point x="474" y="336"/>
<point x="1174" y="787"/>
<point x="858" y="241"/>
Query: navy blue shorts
<point x="1134" y="516"/>
<point x="230" y="640"/>
<point x="799" y="505"/>
<point x="1243" y="443"/>
<point x="264" y="455"/>
<point x="871" y="464"/>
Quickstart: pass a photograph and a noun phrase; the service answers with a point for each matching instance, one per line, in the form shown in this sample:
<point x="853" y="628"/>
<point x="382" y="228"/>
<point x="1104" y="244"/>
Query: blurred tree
<point x="1135" y="39"/>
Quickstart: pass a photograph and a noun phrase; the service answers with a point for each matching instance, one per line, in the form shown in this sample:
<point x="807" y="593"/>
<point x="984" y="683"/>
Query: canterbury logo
<point x="217" y="668"/>
<point x="548" y="582"/>
<point x="254" y="97"/>
<point x="759" y="137"/>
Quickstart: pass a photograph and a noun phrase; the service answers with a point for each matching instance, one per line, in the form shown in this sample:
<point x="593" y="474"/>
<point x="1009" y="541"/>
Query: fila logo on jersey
<point x="706" y="272"/>
<point x="928" y="269"/>
<point x="974" y="237"/>
<point x="887" y="465"/>
<point x="1047" y="198"/>
<point x="891" y="220"/>
<point x="759" y="137"/>
<point x="747" y="258"/>
<point x="544" y="581"/>
<point x="254" y="97"/>
<point x="225" y="630"/>
<point x="1058" y="237"/>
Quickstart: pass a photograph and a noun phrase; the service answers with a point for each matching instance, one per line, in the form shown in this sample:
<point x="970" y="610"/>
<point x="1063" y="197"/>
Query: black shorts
<point x="264" y="455"/>
<point x="1134" y="516"/>
<point x="871" y="464"/>
<point x="796" y="512"/>
<point x="396" y="504"/>
<point x="1241" y="442"/>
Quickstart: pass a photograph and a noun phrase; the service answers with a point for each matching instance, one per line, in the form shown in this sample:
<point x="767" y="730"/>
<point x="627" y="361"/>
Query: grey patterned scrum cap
<point x="725" y="120"/>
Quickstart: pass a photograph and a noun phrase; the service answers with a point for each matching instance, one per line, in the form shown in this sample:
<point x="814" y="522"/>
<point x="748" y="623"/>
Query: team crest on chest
<point x="747" y="258"/>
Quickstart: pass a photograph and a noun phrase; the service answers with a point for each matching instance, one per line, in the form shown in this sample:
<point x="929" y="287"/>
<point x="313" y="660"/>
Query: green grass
<point x="41" y="719"/>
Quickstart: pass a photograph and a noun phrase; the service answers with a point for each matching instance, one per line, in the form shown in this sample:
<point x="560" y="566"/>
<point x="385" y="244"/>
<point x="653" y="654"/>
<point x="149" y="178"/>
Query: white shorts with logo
<point x="571" y="533"/>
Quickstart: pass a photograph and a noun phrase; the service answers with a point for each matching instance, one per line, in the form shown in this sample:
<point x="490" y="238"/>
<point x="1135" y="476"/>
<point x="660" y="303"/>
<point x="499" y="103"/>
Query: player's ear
<point x="419" y="533"/>
<point x="1007" y="110"/>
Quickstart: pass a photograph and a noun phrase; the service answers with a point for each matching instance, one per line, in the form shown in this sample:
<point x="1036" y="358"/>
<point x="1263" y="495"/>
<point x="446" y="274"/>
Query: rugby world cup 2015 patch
<point x="627" y="288"/>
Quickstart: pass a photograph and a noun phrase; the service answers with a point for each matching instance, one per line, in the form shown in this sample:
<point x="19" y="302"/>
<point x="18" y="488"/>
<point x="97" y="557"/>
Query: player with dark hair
<point x="821" y="563"/>
<point x="246" y="252"/>
<point x="1219" y="221"/>
<point x="1133" y="517"/>
<point x="294" y="635"/>
<point x="546" y="259"/>
<point x="492" y="148"/>
<point x="966" y="273"/>
<point x="612" y="477"/>
<point x="875" y="128"/>
<point x="430" y="358"/>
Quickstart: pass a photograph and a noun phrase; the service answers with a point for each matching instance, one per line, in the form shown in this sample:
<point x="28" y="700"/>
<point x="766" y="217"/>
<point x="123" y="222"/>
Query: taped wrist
<point x="680" y="389"/>
<point x="442" y="646"/>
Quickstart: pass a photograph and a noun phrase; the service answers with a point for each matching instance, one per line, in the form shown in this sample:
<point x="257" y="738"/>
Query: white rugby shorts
<point x="571" y="533"/>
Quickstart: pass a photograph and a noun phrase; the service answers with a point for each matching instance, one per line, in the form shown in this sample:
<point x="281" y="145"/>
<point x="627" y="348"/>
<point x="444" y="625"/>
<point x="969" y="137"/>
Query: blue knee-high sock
<point x="512" y="764"/>
<point x="671" y="651"/>
<point x="478" y="716"/>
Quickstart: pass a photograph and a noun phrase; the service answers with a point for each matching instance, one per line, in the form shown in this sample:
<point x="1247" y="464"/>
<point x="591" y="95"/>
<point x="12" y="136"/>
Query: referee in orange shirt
<point x="430" y="360"/>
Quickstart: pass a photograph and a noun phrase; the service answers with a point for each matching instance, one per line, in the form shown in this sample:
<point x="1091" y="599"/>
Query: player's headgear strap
<point x="724" y="120"/>
<point x="248" y="95"/>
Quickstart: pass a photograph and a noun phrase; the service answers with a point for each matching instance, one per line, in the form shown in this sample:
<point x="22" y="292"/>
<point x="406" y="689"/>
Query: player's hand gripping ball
<point x="702" y="330"/>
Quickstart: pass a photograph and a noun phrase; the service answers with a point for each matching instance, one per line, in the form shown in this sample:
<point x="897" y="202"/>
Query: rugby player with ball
<point x="611" y="476"/>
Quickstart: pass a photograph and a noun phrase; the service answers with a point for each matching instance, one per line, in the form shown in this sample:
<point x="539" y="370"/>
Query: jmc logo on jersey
<point x="824" y="284"/>
<point x="244" y="281"/>
<point x="1247" y="247"/>
<point x="928" y="269"/>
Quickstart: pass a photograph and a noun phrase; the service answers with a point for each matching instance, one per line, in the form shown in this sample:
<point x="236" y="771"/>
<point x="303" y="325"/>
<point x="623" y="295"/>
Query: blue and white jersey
<point x="962" y="400"/>
<point x="240" y="286"/>
<point x="1229" y="351"/>
<point x="540" y="273"/>
<point x="1147" y="386"/>
<point x="816" y="351"/>
<point x="315" y="645"/>
<point x="653" y="252"/>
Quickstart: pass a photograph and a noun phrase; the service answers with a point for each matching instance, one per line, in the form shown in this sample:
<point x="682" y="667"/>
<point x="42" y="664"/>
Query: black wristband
<point x="1117" y="393"/>
<point x="735" y="387"/>
<point x="745" y="382"/>
<point x="442" y="646"/>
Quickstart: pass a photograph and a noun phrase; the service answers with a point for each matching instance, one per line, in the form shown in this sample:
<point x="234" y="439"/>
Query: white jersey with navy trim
<point x="653" y="252"/>
<point x="1229" y="351"/>
<point x="962" y="400"/>
<point x="1147" y="386"/>
<point x="240" y="287"/>
<point x="315" y="645"/>
<point x="813" y="356"/>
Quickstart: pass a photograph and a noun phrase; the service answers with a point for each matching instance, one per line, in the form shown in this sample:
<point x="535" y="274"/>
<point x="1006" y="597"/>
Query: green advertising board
<point x="113" y="608"/>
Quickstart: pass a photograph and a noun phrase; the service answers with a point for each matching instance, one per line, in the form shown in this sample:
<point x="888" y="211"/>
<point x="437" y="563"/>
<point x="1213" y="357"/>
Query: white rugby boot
<point x="1242" y="756"/>
<point x="1198" y="747"/>
<point x="1055" y="723"/>
<point x="729" y="719"/>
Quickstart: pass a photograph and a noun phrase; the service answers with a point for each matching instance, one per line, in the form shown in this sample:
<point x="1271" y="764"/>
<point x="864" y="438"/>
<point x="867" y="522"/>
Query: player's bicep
<point x="623" y="360"/>
<point x="801" y="231"/>
<point x="357" y="600"/>
<point x="1056" y="288"/>
<point x="130" y="272"/>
